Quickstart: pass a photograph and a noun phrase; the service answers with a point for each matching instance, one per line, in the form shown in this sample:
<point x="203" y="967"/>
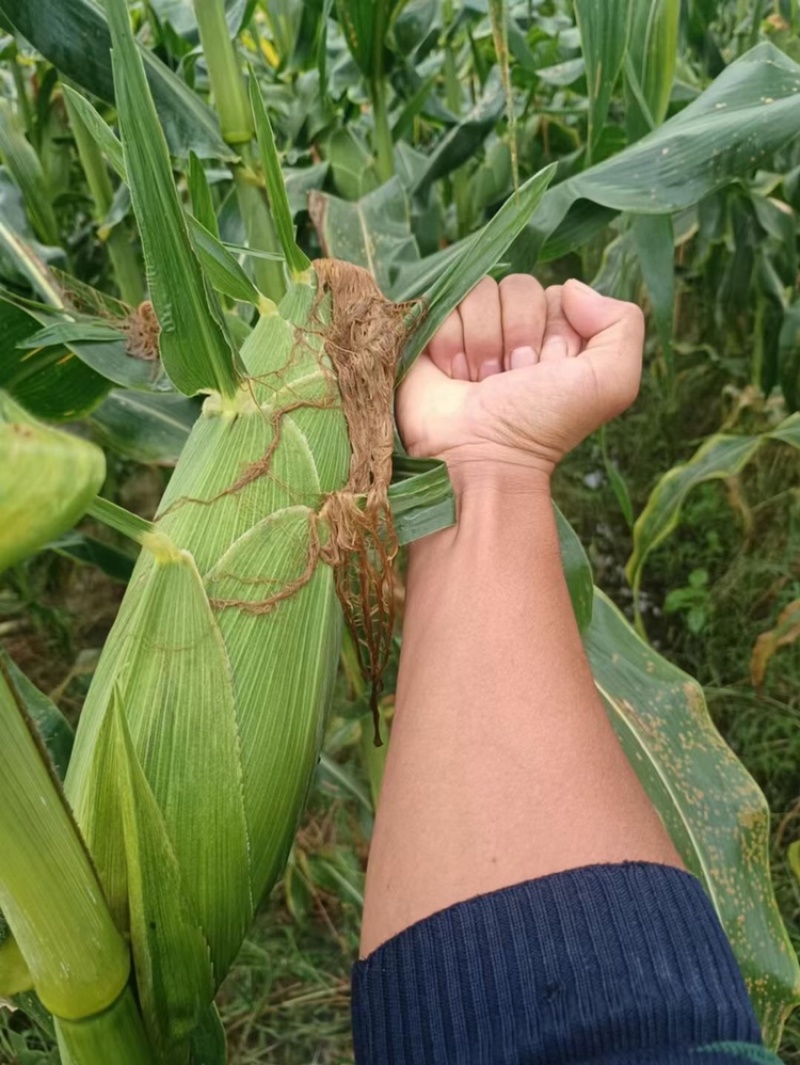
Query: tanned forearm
<point x="502" y="765"/>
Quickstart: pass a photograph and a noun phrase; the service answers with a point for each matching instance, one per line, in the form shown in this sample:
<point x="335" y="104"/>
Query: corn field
<point x="227" y="229"/>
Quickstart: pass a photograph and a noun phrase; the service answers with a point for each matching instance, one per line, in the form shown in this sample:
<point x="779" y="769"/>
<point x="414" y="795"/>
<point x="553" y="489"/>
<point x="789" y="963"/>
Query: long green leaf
<point x="148" y="428"/>
<point x="195" y="348"/>
<point x="750" y="111"/>
<point x="50" y="382"/>
<point x="651" y="55"/>
<point x="296" y="259"/>
<point x="54" y="730"/>
<point x="75" y="38"/>
<point x="604" y="35"/>
<point x="373" y="232"/>
<point x="26" y="169"/>
<point x="477" y="257"/>
<point x="716" y="815"/>
<point x="48" y="891"/>
<point x="719" y="457"/>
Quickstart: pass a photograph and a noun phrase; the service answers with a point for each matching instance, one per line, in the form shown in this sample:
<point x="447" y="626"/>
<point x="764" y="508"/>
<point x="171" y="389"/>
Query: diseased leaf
<point x="719" y="456"/>
<point x="784" y="633"/>
<point x="751" y="110"/>
<point x="714" y="811"/>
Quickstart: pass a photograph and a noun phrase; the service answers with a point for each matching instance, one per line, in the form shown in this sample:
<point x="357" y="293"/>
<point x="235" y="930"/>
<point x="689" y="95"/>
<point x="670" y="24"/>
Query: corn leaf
<point x="477" y="256"/>
<point x="365" y="27"/>
<point x="716" y="815"/>
<point x="48" y="483"/>
<point x="26" y="169"/>
<point x="296" y="259"/>
<point x="650" y="56"/>
<point x="719" y="456"/>
<point x="603" y="26"/>
<point x="52" y="382"/>
<point x="77" y="959"/>
<point x="746" y="114"/>
<point x="200" y="195"/>
<point x="577" y="571"/>
<point x="222" y="268"/>
<point x="173" y="972"/>
<point x="54" y="730"/>
<point x="104" y="136"/>
<point x="147" y="428"/>
<point x="195" y="348"/>
<point x="75" y="38"/>
<point x="655" y="249"/>
<point x="373" y="232"/>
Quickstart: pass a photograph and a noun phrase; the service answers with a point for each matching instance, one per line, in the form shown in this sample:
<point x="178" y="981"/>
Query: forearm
<point x="502" y="765"/>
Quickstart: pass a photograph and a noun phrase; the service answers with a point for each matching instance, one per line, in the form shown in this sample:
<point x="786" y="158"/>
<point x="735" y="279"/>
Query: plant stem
<point x="384" y="146"/>
<point x="116" y="1035"/>
<point x="224" y="70"/>
<point x="236" y="119"/>
<point x="452" y="90"/>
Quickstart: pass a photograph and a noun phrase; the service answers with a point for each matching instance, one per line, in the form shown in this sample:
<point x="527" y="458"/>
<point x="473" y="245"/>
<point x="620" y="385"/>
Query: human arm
<point x="524" y="902"/>
<point x="503" y="765"/>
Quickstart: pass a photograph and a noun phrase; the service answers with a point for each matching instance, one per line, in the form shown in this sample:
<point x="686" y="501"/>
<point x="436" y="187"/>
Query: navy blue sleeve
<point x="609" y="964"/>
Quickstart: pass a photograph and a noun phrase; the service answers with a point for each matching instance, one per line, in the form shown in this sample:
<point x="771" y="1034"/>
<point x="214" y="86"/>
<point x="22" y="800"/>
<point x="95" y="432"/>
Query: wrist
<point x="488" y="478"/>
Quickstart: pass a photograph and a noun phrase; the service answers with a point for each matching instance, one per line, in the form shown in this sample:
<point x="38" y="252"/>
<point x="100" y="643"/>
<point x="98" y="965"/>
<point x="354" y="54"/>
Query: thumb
<point x="589" y="313"/>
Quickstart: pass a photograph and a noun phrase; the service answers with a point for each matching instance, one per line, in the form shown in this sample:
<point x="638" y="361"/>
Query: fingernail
<point x="583" y="288"/>
<point x="522" y="357"/>
<point x="488" y="368"/>
<point x="460" y="367"/>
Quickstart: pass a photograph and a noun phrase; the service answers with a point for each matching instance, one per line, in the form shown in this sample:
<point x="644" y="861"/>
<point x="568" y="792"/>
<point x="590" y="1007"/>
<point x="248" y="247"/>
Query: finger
<point x="446" y="346"/>
<point x="560" y="339"/>
<point x="524" y="311"/>
<point x="613" y="331"/>
<point x="483" y="330"/>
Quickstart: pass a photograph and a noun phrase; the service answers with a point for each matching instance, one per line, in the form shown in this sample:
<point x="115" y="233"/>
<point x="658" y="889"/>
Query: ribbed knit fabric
<point x="609" y="964"/>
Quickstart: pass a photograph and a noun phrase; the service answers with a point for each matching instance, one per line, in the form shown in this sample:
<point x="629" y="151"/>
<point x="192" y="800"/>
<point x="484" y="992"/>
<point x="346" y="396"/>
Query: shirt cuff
<point x="603" y="961"/>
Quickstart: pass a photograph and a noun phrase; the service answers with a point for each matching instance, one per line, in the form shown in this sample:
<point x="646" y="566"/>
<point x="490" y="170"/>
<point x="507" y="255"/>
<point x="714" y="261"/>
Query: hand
<point x="517" y="377"/>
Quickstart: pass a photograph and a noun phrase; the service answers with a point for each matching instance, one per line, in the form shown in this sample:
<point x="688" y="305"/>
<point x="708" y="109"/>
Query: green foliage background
<point x="402" y="128"/>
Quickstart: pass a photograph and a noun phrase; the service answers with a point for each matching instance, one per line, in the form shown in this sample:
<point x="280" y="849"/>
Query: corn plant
<point x="277" y="532"/>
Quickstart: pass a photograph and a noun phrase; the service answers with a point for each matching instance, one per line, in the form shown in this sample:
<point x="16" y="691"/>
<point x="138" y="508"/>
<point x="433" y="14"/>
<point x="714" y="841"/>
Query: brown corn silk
<point x="211" y="694"/>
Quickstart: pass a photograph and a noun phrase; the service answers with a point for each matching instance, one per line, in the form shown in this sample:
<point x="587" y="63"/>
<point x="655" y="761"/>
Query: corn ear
<point x="219" y="684"/>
